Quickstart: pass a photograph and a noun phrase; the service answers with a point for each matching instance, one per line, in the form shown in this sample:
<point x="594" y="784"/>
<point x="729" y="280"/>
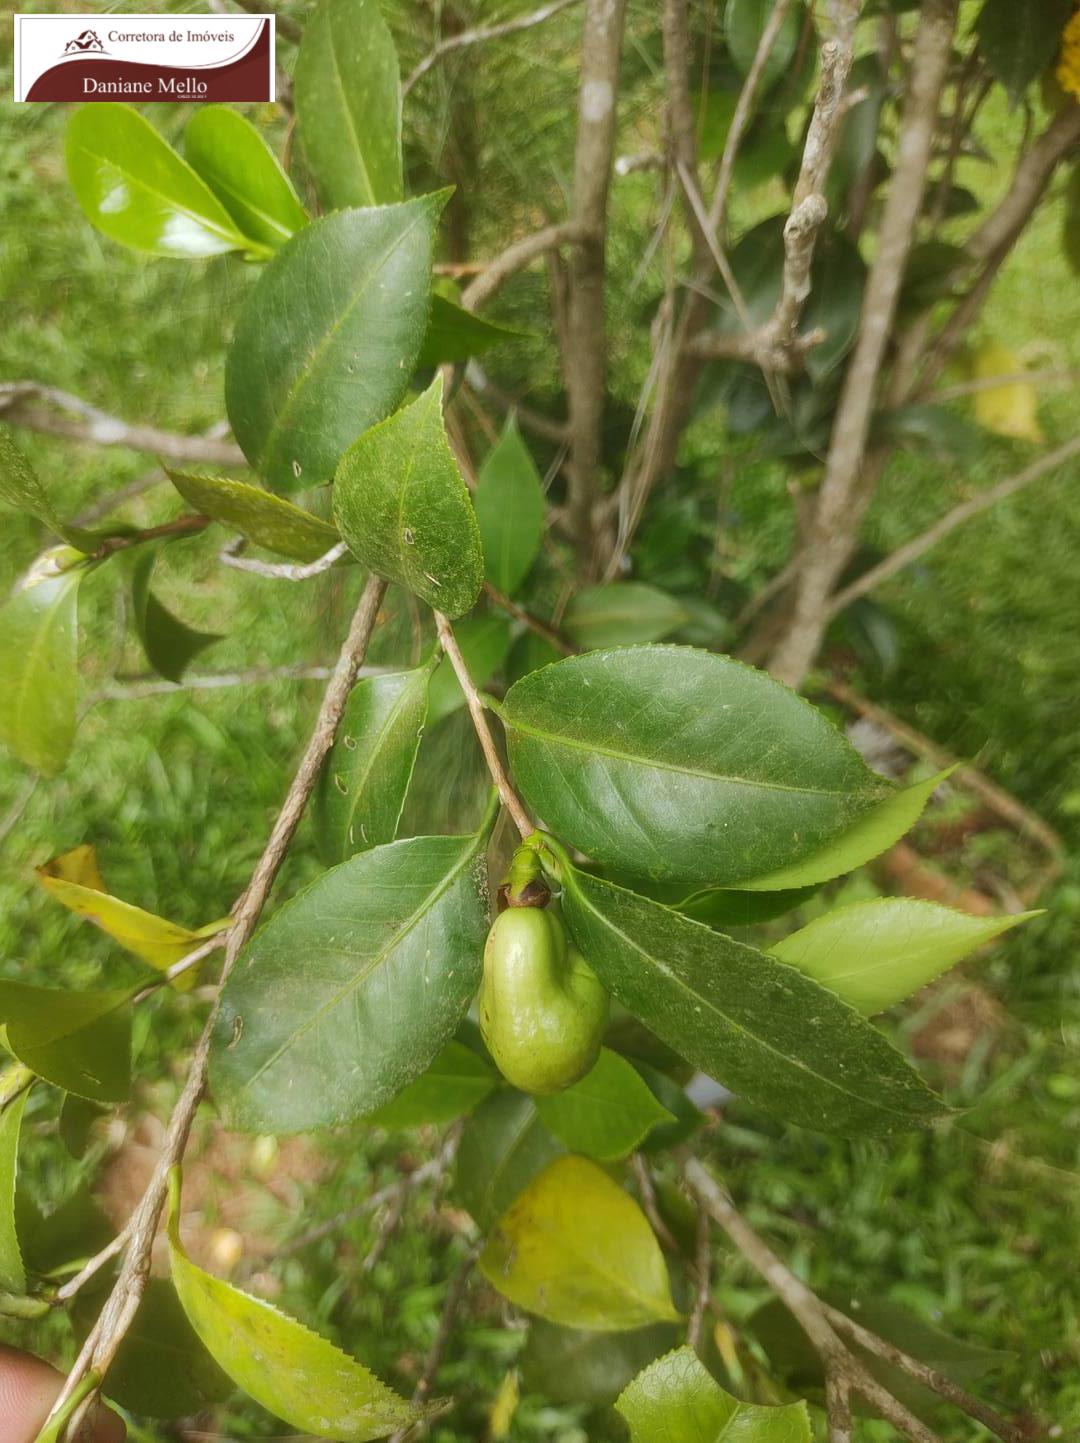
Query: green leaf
<point x="576" y="1250"/>
<point x="673" y="763"/>
<point x="294" y="1373"/>
<point x="12" y="1272"/>
<point x="161" y="1369"/>
<point x="1019" y="42"/>
<point x="230" y="155"/>
<point x="454" y="334"/>
<point x="874" y="954"/>
<point x="503" y="1147"/>
<point x="605" y="1115"/>
<point x="327" y="340"/>
<point x="348" y="104"/>
<point x="620" y="613"/>
<point x="170" y="645"/>
<point x="403" y="509"/>
<point x="758" y="1026"/>
<point x="573" y="1366"/>
<point x="76" y="1122"/>
<point x="74" y="881"/>
<point x="511" y="510"/>
<point x="391" y="943"/>
<point x="722" y="907"/>
<point x="873" y="834"/>
<point x="936" y="429"/>
<point x="676" y="1400"/>
<point x="38" y="660"/>
<point x="686" y="1118"/>
<point x="484" y="642"/>
<point x="80" y="1041"/>
<point x="59" y="1242"/>
<point x="365" y="781"/>
<point x="793" y="1356"/>
<point x="264" y="519"/>
<point x="134" y="187"/>
<point x="744" y="24"/>
<point x="456" y="1082"/>
<point x="21" y="488"/>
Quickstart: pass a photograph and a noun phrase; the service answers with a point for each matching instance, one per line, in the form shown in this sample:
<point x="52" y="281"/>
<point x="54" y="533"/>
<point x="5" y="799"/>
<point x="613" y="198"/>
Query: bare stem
<point x="510" y="799"/>
<point x="285" y="570"/>
<point x="116" y="1317"/>
<point x="479" y="35"/>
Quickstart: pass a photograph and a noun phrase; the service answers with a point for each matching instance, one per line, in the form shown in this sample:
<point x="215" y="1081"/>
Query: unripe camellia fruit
<point x="543" y="1010"/>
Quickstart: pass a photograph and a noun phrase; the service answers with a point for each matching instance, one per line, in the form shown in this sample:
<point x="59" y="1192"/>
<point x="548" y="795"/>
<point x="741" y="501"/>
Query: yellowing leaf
<point x="294" y="1373"/>
<point x="1009" y="410"/>
<point x="75" y="881"/>
<point x="676" y="1400"/>
<point x="504" y="1407"/>
<point x="575" y="1249"/>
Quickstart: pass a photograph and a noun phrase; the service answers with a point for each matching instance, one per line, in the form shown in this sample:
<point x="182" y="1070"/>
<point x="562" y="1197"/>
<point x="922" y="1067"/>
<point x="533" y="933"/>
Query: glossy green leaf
<point x="1019" y="42"/>
<point x="668" y="762"/>
<point x="264" y="519"/>
<point x="12" y="1272"/>
<point x="403" y="508"/>
<point x="511" y="510"/>
<point x="622" y="613"/>
<point x="454" y="334"/>
<point x="170" y="645"/>
<point x="571" y="1365"/>
<point x="134" y="187"/>
<point x="80" y="1041"/>
<point x="529" y="653"/>
<point x="575" y="1249"/>
<point x="686" y="1117"/>
<point x="605" y="1115"/>
<point x="756" y="1025"/>
<point x="21" y="488"/>
<point x="871" y="835"/>
<point x="456" y="1082"/>
<point x="874" y="954"/>
<point x="58" y="1242"/>
<point x="744" y="24"/>
<point x="76" y="1123"/>
<point x="391" y="945"/>
<point x="503" y="1147"/>
<point x="294" y="1373"/>
<point x="38" y="659"/>
<point x="162" y="1369"/>
<point x="327" y="340"/>
<point x="793" y="1356"/>
<point x="725" y="908"/>
<point x="348" y="104"/>
<point x="363" y="786"/>
<point x="230" y="155"/>
<point x="484" y="642"/>
<point x="74" y="881"/>
<point x="676" y="1400"/>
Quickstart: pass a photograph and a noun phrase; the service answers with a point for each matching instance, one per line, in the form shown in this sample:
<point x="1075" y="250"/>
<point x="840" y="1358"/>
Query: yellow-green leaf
<point x="294" y="1373"/>
<point x="1011" y="409"/>
<point x="874" y="954"/>
<point x="575" y="1249"/>
<point x="676" y="1400"/>
<point x="75" y="881"/>
<point x="605" y="1115"/>
<point x="80" y="1041"/>
<point x="260" y="516"/>
<point x="12" y="1272"/>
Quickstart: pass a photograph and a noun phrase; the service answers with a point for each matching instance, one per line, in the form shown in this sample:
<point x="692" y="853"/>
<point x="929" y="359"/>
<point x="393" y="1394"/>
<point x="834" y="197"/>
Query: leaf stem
<point x="510" y="799"/>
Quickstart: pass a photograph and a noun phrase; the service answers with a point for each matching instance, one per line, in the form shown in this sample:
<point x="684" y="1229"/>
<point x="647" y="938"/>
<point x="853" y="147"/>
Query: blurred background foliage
<point x="973" y="1226"/>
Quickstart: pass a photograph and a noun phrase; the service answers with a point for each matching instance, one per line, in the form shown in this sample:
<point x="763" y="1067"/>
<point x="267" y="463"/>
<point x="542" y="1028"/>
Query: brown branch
<point x="515" y="258"/>
<point x="838" y="1406"/>
<point x="977" y="385"/>
<point x="477" y="379"/>
<point x="536" y="626"/>
<point x="821" y="1325"/>
<point x="510" y="799"/>
<point x="843" y="495"/>
<point x="479" y="35"/>
<point x="584" y="359"/>
<point x="182" y="526"/>
<point x="911" y="550"/>
<point x="703" y="1280"/>
<point x="86" y="423"/>
<point x="119" y="1310"/>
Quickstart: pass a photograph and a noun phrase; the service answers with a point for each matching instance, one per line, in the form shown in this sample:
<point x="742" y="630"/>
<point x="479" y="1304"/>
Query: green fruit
<point x="543" y="1010"/>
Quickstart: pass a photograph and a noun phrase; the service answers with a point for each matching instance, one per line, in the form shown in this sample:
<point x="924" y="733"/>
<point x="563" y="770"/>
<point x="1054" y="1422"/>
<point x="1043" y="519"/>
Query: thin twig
<point x="100" y="429"/>
<point x="481" y="34"/>
<point x="515" y="258"/>
<point x="286" y="570"/>
<point x="1065" y="375"/>
<point x="649" y="1204"/>
<point x="539" y="628"/>
<point x="455" y="1296"/>
<point x="115" y="1319"/>
<point x="510" y="799"/>
<point x="93" y="1266"/>
<point x="918" y="546"/>
<point x="181" y="526"/>
<point x="703" y="1271"/>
